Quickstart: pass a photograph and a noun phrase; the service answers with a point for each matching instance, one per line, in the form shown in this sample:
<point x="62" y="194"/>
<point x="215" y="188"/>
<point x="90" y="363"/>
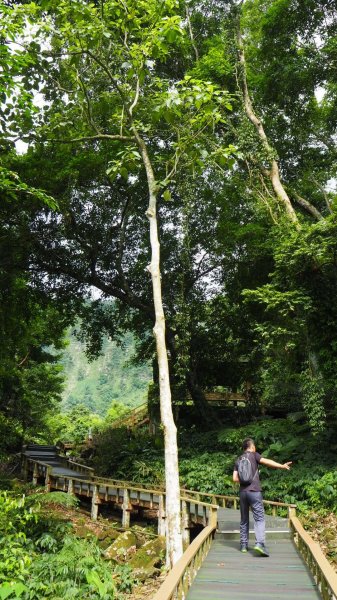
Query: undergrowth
<point x="206" y="460"/>
<point x="40" y="557"/>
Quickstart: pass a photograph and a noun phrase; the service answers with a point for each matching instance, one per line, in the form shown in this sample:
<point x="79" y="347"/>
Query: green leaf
<point x="167" y="195"/>
<point x="124" y="172"/>
<point x="7" y="589"/>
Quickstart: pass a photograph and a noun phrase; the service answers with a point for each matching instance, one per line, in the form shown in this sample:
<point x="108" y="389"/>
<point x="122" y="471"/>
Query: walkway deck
<point x="226" y="574"/>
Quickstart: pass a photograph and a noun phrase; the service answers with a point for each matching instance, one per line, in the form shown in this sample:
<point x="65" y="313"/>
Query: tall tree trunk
<point x="173" y="520"/>
<point x="273" y="173"/>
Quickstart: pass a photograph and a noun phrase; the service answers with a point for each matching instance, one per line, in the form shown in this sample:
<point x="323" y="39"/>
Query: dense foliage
<point x="41" y="557"/>
<point x="207" y="460"/>
<point x="237" y="105"/>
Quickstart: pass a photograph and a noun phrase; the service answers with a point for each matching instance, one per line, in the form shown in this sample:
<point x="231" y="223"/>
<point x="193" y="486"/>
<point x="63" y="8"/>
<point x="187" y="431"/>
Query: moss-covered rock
<point x="109" y="532"/>
<point x="107" y="540"/>
<point x="148" y="558"/>
<point x="122" y="547"/>
<point x="83" y="532"/>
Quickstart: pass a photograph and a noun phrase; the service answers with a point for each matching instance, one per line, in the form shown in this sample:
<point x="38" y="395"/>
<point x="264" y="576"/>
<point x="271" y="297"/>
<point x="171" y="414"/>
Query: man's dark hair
<point x="247" y="443"/>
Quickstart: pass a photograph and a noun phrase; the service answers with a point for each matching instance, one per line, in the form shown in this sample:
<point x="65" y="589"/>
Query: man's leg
<point x="256" y="501"/>
<point x="244" y="523"/>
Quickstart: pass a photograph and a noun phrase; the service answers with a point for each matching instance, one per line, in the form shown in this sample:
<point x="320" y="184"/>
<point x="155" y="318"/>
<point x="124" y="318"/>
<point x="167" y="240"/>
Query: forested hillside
<point x="111" y="377"/>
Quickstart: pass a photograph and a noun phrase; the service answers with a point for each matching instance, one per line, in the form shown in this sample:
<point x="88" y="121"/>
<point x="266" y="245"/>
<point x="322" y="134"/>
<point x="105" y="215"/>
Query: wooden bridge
<point x="212" y="568"/>
<point x="139" y="416"/>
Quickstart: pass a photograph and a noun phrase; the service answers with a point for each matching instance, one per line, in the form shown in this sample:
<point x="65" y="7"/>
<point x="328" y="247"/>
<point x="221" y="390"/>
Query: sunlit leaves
<point x="127" y="162"/>
<point x="12" y="186"/>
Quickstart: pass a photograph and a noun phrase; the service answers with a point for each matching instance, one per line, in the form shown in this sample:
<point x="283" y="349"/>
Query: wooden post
<point x="126" y="509"/>
<point x="291" y="512"/>
<point x="161" y="516"/>
<point x="94" y="503"/>
<point x="25" y="467"/>
<point x="213" y="516"/>
<point x="185" y="523"/>
<point x="70" y="487"/>
<point x="35" y="474"/>
<point x="47" y="481"/>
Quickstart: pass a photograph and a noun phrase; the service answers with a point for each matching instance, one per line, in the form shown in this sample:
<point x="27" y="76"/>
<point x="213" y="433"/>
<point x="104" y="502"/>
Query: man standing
<point x="251" y="495"/>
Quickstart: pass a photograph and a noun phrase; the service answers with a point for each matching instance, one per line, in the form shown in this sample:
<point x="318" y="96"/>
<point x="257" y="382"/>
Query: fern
<point x="60" y="498"/>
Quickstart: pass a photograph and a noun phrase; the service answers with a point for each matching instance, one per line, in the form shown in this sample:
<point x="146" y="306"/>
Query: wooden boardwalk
<point x="59" y="473"/>
<point x="227" y="574"/>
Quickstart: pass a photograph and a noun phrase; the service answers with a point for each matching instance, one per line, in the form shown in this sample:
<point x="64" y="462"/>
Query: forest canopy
<point x="237" y="106"/>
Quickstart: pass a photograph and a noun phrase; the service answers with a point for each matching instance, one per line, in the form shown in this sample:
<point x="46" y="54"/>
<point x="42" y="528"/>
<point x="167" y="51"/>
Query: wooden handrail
<point x="323" y="573"/>
<point x="140" y="410"/>
<point x="176" y="583"/>
<point x="133" y="488"/>
<point x="75" y="464"/>
<point x="234" y="500"/>
<point x="225" y="497"/>
<point x="38" y="462"/>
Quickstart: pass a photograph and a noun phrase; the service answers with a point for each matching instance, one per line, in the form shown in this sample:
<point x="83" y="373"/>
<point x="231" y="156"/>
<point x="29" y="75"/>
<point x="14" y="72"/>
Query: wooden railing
<point x="180" y="578"/>
<point x="323" y="573"/>
<point x="221" y="500"/>
<point x="140" y="415"/>
<point x="226" y="398"/>
<point x="133" y="418"/>
<point x="40" y="466"/>
<point x="125" y="494"/>
<point x="233" y="502"/>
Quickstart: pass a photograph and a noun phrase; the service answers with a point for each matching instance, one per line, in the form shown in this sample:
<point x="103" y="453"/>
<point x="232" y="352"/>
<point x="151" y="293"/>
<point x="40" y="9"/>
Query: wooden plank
<point x="227" y="574"/>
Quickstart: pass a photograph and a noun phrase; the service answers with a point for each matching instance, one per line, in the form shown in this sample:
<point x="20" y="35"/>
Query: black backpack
<point x="245" y="470"/>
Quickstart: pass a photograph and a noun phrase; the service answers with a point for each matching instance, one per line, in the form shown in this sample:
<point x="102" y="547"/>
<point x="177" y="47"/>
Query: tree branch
<point x="136" y="98"/>
<point x="321" y="189"/>
<point x="88" y="102"/>
<point x="312" y="210"/>
<point x="196" y="52"/>
<point x="274" y="174"/>
<point x="92" y="138"/>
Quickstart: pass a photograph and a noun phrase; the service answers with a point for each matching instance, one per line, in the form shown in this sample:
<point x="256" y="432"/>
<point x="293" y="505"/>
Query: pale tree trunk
<point x="273" y="173"/>
<point x="173" y="520"/>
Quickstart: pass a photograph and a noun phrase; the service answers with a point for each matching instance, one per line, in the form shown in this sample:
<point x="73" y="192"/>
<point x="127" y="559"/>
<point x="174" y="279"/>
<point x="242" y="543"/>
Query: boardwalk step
<point x="270" y="534"/>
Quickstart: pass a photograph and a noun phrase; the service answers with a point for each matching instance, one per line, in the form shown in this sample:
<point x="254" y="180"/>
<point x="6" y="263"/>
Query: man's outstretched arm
<point x="236" y="477"/>
<point x="275" y="465"/>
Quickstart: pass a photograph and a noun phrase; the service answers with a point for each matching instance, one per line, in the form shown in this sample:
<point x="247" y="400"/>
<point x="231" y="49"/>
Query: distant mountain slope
<point x="107" y="379"/>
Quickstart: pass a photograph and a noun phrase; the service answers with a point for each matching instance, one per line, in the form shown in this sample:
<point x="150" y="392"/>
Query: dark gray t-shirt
<point x="255" y="486"/>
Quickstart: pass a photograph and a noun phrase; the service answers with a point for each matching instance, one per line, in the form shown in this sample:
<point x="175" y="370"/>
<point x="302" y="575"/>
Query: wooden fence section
<point x="233" y="502"/>
<point x="230" y="398"/>
<point x="221" y="500"/>
<point x="322" y="571"/>
<point x="139" y="416"/>
<point x="134" y="418"/>
<point x="123" y="495"/>
<point x="180" y="578"/>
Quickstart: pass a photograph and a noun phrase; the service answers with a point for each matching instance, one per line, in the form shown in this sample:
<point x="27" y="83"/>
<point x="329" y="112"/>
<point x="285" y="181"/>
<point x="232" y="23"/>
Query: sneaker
<point x="261" y="549"/>
<point x="243" y="548"/>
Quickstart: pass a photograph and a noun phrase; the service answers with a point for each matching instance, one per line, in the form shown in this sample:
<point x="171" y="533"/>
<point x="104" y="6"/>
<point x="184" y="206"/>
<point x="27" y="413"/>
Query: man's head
<point x="248" y="445"/>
